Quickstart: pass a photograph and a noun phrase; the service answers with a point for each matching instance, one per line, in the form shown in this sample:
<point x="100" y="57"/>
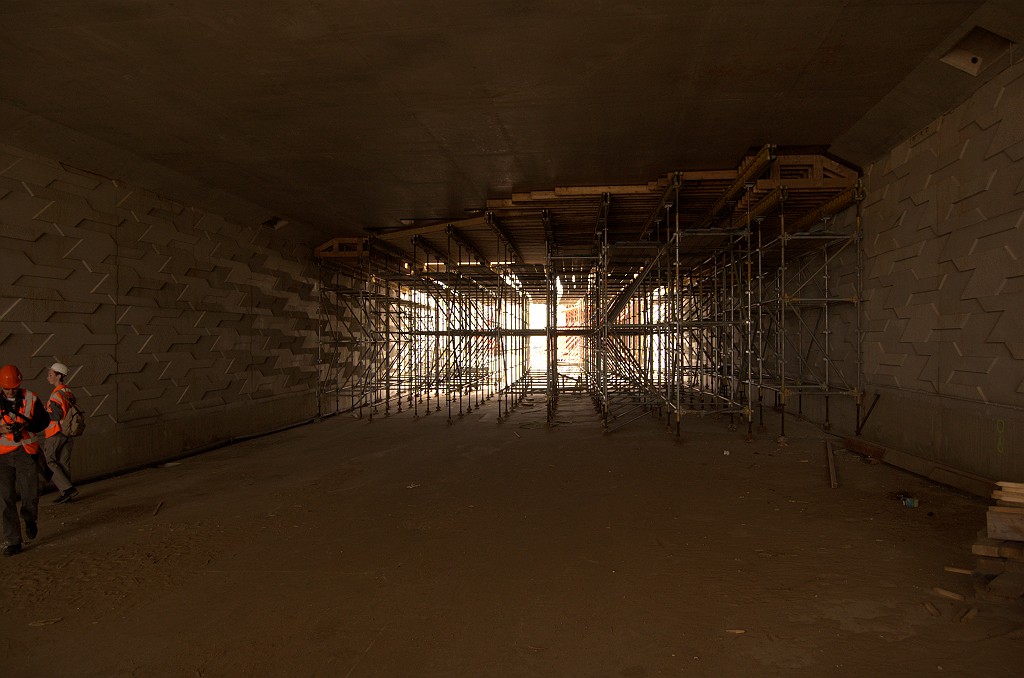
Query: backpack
<point x="73" y="423"/>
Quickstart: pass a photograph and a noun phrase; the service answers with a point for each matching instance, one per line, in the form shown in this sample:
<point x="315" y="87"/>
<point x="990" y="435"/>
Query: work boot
<point x="66" y="496"/>
<point x="31" y="529"/>
<point x="12" y="549"/>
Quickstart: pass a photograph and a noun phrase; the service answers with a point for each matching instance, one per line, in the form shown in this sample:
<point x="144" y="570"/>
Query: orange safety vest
<point x="29" y="441"/>
<point x="62" y="395"/>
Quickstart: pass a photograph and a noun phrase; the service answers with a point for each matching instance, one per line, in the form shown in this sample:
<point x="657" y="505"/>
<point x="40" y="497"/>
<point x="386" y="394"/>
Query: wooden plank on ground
<point x="958" y="570"/>
<point x="945" y="593"/>
<point x="1007" y="585"/>
<point x="1009" y="497"/>
<point x="1009" y="510"/>
<point x="831" y="465"/>
<point x="861" y="446"/>
<point x="987" y="565"/>
<point x="997" y="548"/>
<point x="1006" y="523"/>
<point x="941" y="473"/>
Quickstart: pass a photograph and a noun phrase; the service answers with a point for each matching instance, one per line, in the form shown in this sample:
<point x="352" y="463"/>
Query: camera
<point x="16" y="431"/>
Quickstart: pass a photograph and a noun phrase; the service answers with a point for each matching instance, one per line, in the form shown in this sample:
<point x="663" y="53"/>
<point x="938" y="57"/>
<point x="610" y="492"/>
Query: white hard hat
<point x="60" y="368"/>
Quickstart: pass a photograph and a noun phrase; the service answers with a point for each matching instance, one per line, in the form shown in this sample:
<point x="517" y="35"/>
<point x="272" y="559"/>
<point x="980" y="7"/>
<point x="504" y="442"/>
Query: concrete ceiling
<point x="372" y="113"/>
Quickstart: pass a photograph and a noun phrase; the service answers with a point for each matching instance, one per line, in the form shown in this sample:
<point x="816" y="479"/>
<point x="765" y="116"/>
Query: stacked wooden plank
<point x="1000" y="547"/>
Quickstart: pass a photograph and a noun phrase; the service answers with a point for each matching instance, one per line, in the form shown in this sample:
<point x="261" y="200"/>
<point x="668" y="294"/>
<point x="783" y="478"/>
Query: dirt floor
<point x="405" y="547"/>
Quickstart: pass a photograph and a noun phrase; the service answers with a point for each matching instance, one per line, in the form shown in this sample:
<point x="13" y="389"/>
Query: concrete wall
<point x="181" y="329"/>
<point x="944" y="287"/>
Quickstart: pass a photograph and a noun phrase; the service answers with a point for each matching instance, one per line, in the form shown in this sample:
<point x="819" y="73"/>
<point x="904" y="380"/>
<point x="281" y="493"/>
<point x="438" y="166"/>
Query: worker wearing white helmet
<point x="57" y="445"/>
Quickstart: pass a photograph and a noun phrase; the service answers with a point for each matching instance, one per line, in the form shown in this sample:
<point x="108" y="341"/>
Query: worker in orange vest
<point x="23" y="418"/>
<point x="57" y="445"/>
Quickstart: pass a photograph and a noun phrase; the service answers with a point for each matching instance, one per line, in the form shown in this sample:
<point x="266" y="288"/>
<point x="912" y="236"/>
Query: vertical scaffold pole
<point x="413" y="330"/>
<point x="826" y="288"/>
<point x="602" y="343"/>
<point x="387" y="348"/>
<point x="548" y="333"/>
<point x="437" y="344"/>
<point x="449" y="338"/>
<point x="676" y="355"/>
<point x="750" y="333"/>
<point x="859" y="301"/>
<point x="782" y="328"/>
<point x="760" y="328"/>
<point x="463" y="338"/>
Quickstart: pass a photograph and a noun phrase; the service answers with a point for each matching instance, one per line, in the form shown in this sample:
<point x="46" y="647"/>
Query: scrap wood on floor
<point x="1000" y="546"/>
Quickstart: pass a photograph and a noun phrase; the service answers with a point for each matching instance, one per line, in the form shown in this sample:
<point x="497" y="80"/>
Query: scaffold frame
<point x="727" y="289"/>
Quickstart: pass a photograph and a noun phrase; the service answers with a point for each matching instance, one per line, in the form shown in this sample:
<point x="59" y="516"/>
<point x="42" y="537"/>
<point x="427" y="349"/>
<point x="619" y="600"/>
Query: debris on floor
<point x="969" y="615"/>
<point x="958" y="570"/>
<point x="830" y="457"/>
<point x="945" y="593"/>
<point x="46" y="622"/>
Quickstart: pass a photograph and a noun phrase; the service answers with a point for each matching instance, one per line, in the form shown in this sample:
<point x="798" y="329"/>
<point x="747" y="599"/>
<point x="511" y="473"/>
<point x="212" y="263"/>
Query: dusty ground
<point x="410" y="548"/>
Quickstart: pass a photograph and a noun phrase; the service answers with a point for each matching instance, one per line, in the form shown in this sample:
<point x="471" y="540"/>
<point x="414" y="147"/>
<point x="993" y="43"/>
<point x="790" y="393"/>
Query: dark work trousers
<point x="57" y="450"/>
<point x="18" y="477"/>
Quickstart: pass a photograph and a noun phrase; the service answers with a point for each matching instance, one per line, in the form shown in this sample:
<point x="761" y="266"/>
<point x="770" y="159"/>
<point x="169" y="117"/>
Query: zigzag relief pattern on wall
<point x="945" y="237"/>
<point x="157" y="307"/>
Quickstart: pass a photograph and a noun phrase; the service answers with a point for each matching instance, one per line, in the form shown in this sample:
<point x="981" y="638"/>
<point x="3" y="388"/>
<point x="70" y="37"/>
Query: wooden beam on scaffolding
<point x="762" y="207"/>
<point x="424" y="244"/>
<point x="752" y="168"/>
<point x="503" y="233"/>
<point x="343" y="248"/>
<point x="656" y="212"/>
<point x="450" y="265"/>
<point x="460" y="238"/>
<point x="623" y="297"/>
<point x="391" y="250"/>
<point x="549" y="238"/>
<point x="402" y="235"/>
<point x="834" y="206"/>
<point x="602" y="221"/>
<point x="579" y="192"/>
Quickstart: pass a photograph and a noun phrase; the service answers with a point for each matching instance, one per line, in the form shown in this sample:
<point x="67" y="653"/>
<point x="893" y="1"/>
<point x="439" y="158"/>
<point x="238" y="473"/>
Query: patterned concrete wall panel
<point x="165" y="313"/>
<point x="944" y="296"/>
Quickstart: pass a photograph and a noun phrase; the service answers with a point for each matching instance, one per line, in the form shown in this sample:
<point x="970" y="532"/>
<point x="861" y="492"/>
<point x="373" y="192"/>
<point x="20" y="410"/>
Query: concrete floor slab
<point x="410" y="547"/>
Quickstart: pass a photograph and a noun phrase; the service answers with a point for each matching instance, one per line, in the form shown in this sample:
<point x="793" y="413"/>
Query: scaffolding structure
<point x="700" y="294"/>
<point x="418" y="334"/>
